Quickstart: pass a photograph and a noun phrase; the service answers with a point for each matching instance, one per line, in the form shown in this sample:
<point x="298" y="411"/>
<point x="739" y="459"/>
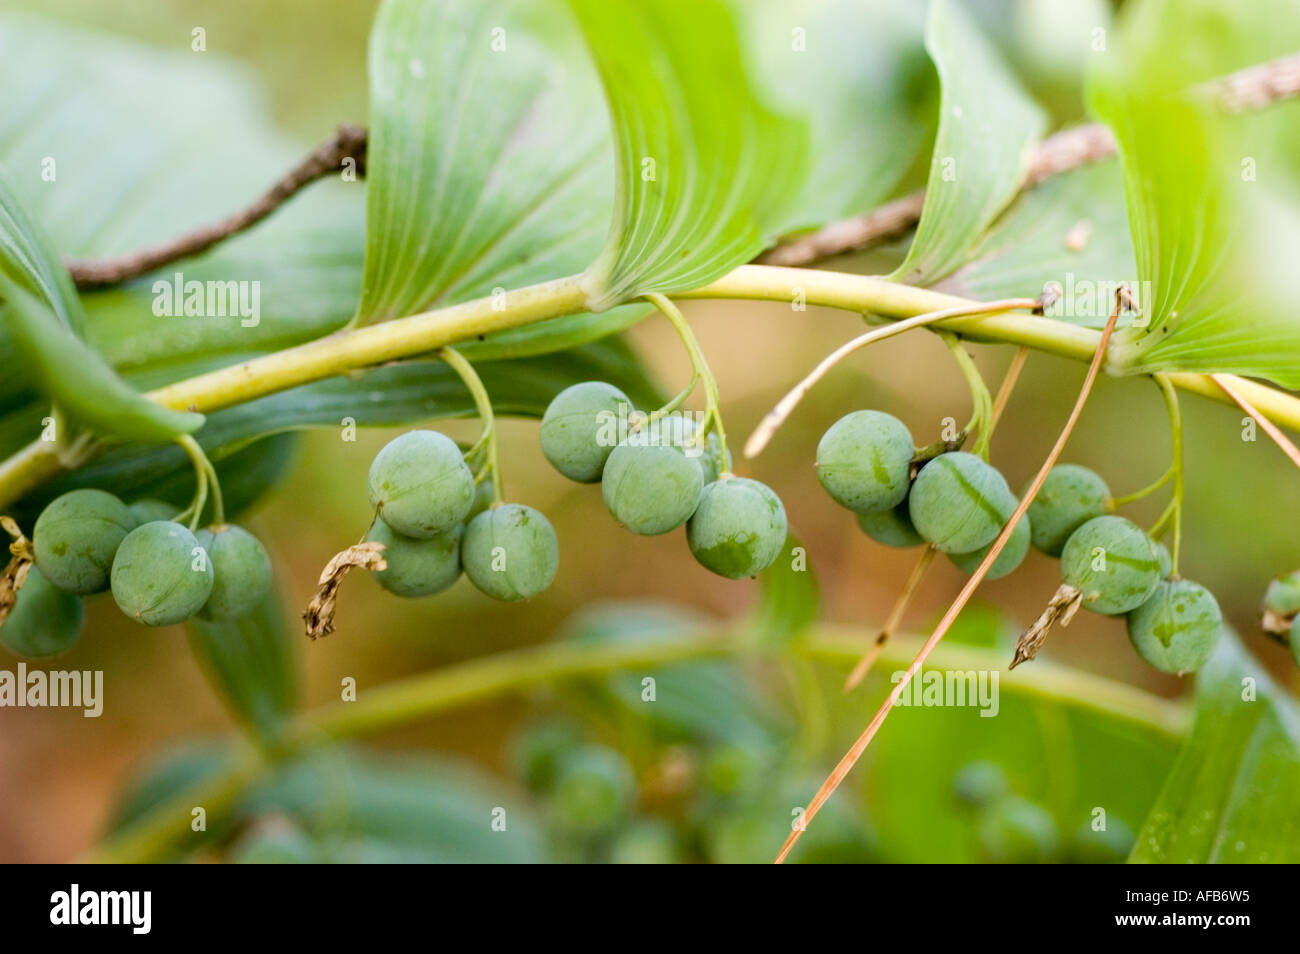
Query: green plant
<point x="519" y="213"/>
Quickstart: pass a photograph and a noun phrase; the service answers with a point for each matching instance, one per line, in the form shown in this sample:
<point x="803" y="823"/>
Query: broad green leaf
<point x="859" y="73"/>
<point x="488" y="162"/>
<point x="28" y="259"/>
<point x="1070" y="229"/>
<point x="988" y="127"/>
<point x="78" y="380"/>
<point x="250" y="662"/>
<point x="706" y="171"/>
<point x="1234" y="792"/>
<point x="1215" y="226"/>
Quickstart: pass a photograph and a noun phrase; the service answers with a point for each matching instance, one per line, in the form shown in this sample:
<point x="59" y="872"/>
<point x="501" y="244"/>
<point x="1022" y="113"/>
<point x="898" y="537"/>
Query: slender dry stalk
<point x="894" y="619"/>
<point x="785" y="407"/>
<point x="850" y="759"/>
<point x="1271" y="429"/>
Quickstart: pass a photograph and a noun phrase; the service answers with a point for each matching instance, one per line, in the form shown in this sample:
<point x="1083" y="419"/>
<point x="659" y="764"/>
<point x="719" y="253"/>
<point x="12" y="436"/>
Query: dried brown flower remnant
<point x="319" y="614"/>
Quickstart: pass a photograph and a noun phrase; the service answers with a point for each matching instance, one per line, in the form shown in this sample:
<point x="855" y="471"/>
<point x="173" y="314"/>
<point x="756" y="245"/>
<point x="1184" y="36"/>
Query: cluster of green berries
<point x="435" y="522"/>
<point x="959" y="503"/>
<point x="1012" y="829"/>
<point x="660" y="474"/>
<point x="956" y="501"/>
<point x="159" y="572"/>
<point x="1282" y="599"/>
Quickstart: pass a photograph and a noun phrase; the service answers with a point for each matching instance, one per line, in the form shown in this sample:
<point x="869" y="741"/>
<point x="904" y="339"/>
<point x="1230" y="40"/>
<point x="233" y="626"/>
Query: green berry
<point x="594" y="789"/>
<point x="161" y="574"/>
<point x="420" y="484"/>
<point x="651" y="488"/>
<point x="1177" y="628"/>
<point x="1070" y="497"/>
<point x="1110" y="846"/>
<point x="1014" y="830"/>
<point x="76" y="538"/>
<point x="44" y="620"/>
<point x="959" y="503"/>
<point x="241" y="572"/>
<point x="892" y="527"/>
<point x="417" y="567"/>
<point x="738" y="529"/>
<point x="864" y="461"/>
<point x="580" y="428"/>
<point x="483" y="496"/>
<point x="537" y="750"/>
<point x="1166" y="561"/>
<point x="1283" y="595"/>
<point x="510" y="552"/>
<point x="980" y="783"/>
<point x="650" y="841"/>
<point x="1012" y="555"/>
<point x="147" y="511"/>
<point x="1113" y="562"/>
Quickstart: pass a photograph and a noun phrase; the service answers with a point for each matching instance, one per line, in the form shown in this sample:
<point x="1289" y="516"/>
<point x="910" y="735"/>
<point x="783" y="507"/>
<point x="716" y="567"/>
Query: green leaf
<point x="706" y="170"/>
<point x="1234" y="792"/>
<point x="789" y="599"/>
<point x="488" y="161"/>
<point x="988" y="127"/>
<point x="1215" y="241"/>
<point x="78" y="380"/>
<point x="27" y="258"/>
<point x="1070" y="229"/>
<point x="250" y="662"/>
<point x="859" y="74"/>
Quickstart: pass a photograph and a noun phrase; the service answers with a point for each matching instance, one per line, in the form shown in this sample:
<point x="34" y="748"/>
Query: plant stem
<point x="163" y="830"/>
<point x="348" y="351"/>
<point x="1176" y="465"/>
<point x="1143" y="493"/>
<point x="981" y="400"/>
<point x="483" y="402"/>
<point x="202" y="468"/>
<point x="713" y="398"/>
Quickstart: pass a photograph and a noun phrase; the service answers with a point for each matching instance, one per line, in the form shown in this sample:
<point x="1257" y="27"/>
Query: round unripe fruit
<point x="1012" y="555"/>
<point x="1070" y="497"/>
<point x="483" y="496"/>
<point x="580" y="428"/>
<point x="1014" y="830"/>
<point x="651" y="489"/>
<point x="417" y="567"/>
<point x="420" y="484"/>
<point x="738" y="529"/>
<point x="1283" y="595"/>
<point x="147" y="511"/>
<point x="510" y="552"/>
<point x="980" y="783"/>
<point x="1177" y="629"/>
<point x="892" y="527"/>
<point x="594" y="788"/>
<point x="1166" y="561"/>
<point x="959" y="503"/>
<point x="241" y="572"/>
<point x="161" y="574"/>
<point x="76" y="538"/>
<point x="44" y="620"/>
<point x="1113" y="563"/>
<point x="864" y="461"/>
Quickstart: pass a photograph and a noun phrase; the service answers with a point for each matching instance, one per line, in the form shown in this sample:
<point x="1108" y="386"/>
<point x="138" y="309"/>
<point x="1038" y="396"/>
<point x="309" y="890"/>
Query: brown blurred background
<point x="59" y="771"/>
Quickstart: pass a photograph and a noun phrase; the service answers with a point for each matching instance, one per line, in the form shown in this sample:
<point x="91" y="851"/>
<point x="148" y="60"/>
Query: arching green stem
<point x="1176" y="464"/>
<point x="486" y="445"/>
<point x="1143" y="493"/>
<point x="981" y="400"/>
<point x="713" y="399"/>
<point x="204" y="473"/>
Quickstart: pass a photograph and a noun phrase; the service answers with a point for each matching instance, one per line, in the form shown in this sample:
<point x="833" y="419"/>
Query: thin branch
<point x="348" y="143"/>
<point x="1252" y="88"/>
<point x="850" y="759"/>
<point x="1230" y="388"/>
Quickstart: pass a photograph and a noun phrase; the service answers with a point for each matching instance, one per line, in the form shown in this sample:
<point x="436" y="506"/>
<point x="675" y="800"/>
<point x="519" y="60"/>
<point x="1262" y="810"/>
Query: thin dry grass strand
<point x="850" y="759"/>
<point x="1271" y="429"/>
<point x="778" y="415"/>
<point x="892" y="622"/>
